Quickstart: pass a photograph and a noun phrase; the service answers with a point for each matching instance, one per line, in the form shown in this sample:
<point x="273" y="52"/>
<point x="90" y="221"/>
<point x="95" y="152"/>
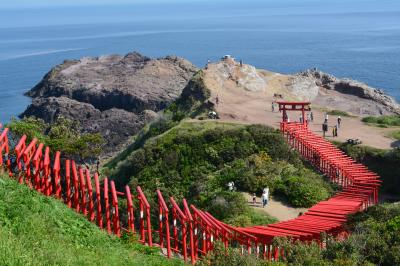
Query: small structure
<point x="294" y="106"/>
<point x="228" y="58"/>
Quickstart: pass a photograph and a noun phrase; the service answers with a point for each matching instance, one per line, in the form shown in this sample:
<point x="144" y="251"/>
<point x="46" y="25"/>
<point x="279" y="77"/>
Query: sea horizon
<point x="343" y="39"/>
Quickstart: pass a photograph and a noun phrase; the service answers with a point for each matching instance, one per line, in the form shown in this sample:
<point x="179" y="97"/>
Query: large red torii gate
<point x="293" y="106"/>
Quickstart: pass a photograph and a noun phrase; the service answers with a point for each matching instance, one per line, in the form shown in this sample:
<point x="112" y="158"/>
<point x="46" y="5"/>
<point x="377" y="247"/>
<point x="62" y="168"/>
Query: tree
<point x="63" y="135"/>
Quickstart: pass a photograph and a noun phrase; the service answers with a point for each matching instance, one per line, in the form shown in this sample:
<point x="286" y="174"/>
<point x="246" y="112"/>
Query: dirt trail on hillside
<point x="237" y="104"/>
<point x="275" y="208"/>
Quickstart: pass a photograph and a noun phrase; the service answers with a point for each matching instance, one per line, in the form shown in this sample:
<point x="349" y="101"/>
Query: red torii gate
<point x="293" y="106"/>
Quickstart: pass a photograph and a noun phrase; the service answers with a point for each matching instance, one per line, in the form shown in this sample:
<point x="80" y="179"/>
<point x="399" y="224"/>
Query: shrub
<point x="197" y="160"/>
<point x="395" y="134"/>
<point x="63" y="135"/>
<point x="383" y="162"/>
<point x="388" y="120"/>
<point x="303" y="192"/>
<point x="232" y="257"/>
<point x="338" y="113"/>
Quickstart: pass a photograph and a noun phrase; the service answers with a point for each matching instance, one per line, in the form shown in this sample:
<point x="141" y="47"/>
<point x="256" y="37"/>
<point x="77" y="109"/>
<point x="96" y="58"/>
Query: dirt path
<point x="275" y="208"/>
<point x="254" y="107"/>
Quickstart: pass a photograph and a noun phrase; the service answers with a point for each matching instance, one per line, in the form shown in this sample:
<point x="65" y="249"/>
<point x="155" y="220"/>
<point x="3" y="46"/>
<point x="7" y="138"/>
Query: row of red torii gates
<point x="184" y="229"/>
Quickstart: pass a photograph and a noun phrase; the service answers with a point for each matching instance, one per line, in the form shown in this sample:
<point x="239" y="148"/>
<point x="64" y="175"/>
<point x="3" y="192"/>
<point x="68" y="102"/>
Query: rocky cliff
<point x="375" y="101"/>
<point x="115" y="95"/>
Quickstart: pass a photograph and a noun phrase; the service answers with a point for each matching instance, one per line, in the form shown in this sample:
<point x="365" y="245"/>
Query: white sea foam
<point x="38" y="53"/>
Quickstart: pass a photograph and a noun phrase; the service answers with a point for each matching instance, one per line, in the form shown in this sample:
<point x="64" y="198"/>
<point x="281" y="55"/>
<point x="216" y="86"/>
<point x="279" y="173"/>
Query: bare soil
<point x="239" y="104"/>
<point x="275" y="208"/>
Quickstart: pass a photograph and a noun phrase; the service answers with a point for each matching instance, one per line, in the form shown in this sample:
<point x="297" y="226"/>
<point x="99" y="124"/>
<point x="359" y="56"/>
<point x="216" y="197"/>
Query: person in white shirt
<point x="231" y="186"/>
<point x="265" y="196"/>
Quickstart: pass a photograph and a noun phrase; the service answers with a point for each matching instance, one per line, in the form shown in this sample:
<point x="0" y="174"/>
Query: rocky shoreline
<point x="353" y="88"/>
<point x="114" y="95"/>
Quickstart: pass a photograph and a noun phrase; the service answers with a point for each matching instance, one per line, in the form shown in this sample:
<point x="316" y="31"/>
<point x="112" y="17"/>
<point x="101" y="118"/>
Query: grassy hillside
<point x="37" y="230"/>
<point x="196" y="160"/>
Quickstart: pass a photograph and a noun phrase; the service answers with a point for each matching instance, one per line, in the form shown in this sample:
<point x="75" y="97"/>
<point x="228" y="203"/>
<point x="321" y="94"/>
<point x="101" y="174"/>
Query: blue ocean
<point x="359" y="39"/>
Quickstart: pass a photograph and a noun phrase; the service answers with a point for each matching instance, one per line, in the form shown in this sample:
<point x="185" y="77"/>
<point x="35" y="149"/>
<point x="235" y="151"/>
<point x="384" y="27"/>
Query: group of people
<point x="264" y="197"/>
<point x="309" y="118"/>
<point x="335" y="128"/>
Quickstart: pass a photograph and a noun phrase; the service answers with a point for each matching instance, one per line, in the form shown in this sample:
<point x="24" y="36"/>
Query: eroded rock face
<point x="114" y="95"/>
<point x="377" y="98"/>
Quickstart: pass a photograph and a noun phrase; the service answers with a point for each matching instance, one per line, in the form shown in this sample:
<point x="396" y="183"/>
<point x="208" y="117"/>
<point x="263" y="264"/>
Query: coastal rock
<point x="375" y="98"/>
<point x="114" y="95"/>
<point x="305" y="88"/>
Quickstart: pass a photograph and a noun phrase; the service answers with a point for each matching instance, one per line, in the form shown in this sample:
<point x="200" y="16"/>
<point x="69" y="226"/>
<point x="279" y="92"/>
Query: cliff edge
<point x="114" y="95"/>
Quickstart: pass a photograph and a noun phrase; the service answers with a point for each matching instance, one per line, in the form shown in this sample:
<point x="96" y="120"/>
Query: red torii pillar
<point x="293" y="106"/>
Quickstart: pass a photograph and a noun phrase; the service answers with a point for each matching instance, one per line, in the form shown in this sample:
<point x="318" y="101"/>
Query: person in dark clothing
<point x="339" y="121"/>
<point x="324" y="127"/>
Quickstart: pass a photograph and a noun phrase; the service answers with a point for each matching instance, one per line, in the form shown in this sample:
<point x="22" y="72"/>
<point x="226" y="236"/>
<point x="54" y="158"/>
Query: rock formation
<point x="114" y="95"/>
<point x="383" y="103"/>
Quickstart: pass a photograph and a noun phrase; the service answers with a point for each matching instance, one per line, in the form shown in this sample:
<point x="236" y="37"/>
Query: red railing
<point x="192" y="232"/>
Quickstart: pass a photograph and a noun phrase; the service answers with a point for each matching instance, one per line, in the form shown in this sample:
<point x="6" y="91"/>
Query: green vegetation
<point x="338" y="112"/>
<point x="383" y="162"/>
<point x="38" y="230"/>
<point x="375" y="240"/>
<point x="395" y="134"/>
<point x="192" y="103"/>
<point x="62" y="135"/>
<point x="383" y="121"/>
<point x="232" y="257"/>
<point x="196" y="160"/>
<point x="193" y="100"/>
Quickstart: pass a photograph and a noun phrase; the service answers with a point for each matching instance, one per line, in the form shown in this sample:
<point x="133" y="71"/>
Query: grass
<point x="38" y="230"/>
<point x="383" y="121"/>
<point x="339" y="112"/>
<point x="395" y="134"/>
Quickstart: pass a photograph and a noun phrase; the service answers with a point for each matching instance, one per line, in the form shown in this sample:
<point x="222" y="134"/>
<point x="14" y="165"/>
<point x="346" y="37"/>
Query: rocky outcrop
<point x="385" y="103"/>
<point x="114" y="95"/>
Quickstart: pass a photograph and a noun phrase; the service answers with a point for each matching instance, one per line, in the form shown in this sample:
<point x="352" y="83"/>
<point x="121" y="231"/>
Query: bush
<point x="225" y="205"/>
<point x="384" y="162"/>
<point x="374" y="240"/>
<point x="303" y="192"/>
<point x="232" y="257"/>
<point x="388" y="120"/>
<point x="197" y="160"/>
<point x="338" y="113"/>
<point x="63" y="135"/>
<point x="395" y="134"/>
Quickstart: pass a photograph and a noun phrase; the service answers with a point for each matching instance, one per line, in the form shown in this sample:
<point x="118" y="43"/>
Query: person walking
<point x="325" y="128"/>
<point x="301" y="119"/>
<point x="265" y="196"/>
<point x="311" y="116"/>
<point x="254" y="199"/>
<point x="326" y="116"/>
<point x="273" y="107"/>
<point x="334" y="131"/>
<point x="339" y="121"/>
